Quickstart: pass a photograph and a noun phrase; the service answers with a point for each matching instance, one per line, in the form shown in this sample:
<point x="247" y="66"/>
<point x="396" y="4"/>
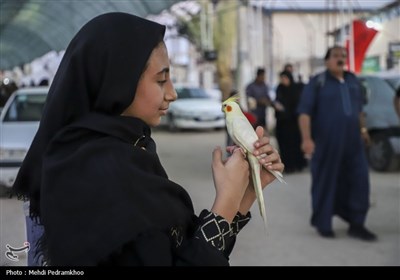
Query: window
<point x="26" y="107"/>
<point x="184" y="93"/>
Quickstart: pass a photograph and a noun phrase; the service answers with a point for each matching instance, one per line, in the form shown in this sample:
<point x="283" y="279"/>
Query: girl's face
<point x="154" y="91"/>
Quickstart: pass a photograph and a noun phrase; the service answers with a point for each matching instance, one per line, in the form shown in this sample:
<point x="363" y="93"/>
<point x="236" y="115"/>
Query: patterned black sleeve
<point x="239" y="222"/>
<point x="217" y="231"/>
<point x="214" y="229"/>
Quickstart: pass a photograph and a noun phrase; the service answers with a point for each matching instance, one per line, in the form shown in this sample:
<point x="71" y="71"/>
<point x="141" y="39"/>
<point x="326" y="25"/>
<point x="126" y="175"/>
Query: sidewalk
<point x="290" y="240"/>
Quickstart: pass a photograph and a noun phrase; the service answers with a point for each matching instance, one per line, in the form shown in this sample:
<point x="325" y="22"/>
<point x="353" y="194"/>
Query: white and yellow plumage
<point x="244" y="135"/>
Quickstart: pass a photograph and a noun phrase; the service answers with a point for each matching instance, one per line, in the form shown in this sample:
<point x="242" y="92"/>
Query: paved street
<point x="289" y="240"/>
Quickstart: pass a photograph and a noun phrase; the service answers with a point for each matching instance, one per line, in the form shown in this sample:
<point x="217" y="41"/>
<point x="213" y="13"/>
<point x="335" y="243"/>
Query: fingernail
<point x="256" y="153"/>
<point x="257" y="144"/>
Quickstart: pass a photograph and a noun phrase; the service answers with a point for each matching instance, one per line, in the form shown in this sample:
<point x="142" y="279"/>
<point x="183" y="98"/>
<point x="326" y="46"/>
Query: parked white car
<point x="194" y="109"/>
<point x="19" y="121"/>
<point x="214" y="93"/>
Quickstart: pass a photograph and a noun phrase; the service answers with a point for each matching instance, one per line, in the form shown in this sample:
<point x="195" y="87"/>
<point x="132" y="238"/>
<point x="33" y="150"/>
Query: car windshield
<point x="379" y="87"/>
<point x="185" y="93"/>
<point x="394" y="82"/>
<point x="25" y="107"/>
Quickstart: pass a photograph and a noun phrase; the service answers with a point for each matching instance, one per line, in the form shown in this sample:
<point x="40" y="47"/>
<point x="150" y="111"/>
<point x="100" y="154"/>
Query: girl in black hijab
<point x="92" y="173"/>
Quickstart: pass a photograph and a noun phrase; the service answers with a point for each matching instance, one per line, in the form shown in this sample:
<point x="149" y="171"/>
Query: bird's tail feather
<point x="278" y="175"/>
<point x="255" y="174"/>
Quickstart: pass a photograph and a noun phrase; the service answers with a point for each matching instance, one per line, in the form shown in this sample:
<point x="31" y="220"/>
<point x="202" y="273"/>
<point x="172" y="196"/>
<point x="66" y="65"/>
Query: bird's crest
<point x="233" y="98"/>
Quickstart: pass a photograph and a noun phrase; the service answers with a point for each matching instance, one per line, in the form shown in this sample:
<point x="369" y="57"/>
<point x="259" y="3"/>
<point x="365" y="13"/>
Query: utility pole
<point x="351" y="38"/>
<point x="270" y="37"/>
<point x="224" y="35"/>
<point x="242" y="67"/>
<point x="327" y="18"/>
<point x="343" y="25"/>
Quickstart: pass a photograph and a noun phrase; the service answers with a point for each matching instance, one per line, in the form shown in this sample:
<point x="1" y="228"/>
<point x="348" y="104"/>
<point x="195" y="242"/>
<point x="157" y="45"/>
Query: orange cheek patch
<point x="228" y="108"/>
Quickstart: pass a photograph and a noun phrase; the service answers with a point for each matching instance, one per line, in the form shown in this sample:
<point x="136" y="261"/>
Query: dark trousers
<point x="340" y="186"/>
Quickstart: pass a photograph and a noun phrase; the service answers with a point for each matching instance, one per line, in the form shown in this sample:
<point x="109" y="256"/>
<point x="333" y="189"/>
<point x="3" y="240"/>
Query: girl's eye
<point x="162" y="82"/>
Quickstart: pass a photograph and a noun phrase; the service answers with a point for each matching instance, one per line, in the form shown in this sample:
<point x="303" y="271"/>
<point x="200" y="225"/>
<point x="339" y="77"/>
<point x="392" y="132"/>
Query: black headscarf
<point x="93" y="176"/>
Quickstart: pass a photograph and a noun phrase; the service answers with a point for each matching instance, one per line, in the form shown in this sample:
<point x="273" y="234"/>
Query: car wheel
<point x="171" y="123"/>
<point x="381" y="155"/>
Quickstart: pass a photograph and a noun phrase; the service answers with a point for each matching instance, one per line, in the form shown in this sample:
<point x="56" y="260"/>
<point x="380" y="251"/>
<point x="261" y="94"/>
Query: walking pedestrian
<point x="332" y="128"/>
<point x="258" y="91"/>
<point x="287" y="127"/>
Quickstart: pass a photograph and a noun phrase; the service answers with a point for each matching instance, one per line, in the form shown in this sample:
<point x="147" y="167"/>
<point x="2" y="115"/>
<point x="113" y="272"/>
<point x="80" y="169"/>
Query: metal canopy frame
<point x="31" y="28"/>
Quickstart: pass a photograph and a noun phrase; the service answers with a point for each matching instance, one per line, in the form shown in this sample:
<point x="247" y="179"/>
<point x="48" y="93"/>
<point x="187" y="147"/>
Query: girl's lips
<point x="164" y="111"/>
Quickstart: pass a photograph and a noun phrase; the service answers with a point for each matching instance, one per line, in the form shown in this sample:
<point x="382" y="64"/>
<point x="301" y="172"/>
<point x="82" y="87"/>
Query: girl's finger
<point x="262" y="141"/>
<point x="275" y="166"/>
<point x="272" y="158"/>
<point x="267" y="149"/>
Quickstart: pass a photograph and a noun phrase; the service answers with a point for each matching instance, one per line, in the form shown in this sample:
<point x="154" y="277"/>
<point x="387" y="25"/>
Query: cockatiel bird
<point x="244" y="135"/>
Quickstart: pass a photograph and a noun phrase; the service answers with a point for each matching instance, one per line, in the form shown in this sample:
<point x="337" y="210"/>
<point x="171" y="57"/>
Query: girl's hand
<point x="272" y="161"/>
<point x="231" y="178"/>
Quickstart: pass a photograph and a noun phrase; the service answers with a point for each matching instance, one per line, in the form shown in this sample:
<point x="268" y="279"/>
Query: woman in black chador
<point x="93" y="176"/>
<point x="287" y="127"/>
